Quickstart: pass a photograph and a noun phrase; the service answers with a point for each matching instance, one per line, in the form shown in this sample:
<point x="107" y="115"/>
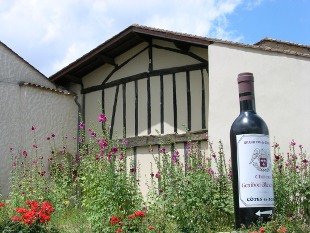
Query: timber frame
<point x="130" y="37"/>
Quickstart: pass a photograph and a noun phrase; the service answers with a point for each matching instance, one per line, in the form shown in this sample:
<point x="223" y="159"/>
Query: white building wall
<point x="282" y="93"/>
<point x="22" y="107"/>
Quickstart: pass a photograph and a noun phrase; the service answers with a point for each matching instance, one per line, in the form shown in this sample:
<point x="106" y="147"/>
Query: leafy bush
<point x="108" y="185"/>
<point x="43" y="178"/>
<point x="195" y="194"/>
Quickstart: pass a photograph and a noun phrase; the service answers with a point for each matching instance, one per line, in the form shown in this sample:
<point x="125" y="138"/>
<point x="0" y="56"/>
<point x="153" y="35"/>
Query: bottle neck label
<point x="254" y="171"/>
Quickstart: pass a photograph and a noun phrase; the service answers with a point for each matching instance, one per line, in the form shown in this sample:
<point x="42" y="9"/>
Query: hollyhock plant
<point x="102" y="118"/>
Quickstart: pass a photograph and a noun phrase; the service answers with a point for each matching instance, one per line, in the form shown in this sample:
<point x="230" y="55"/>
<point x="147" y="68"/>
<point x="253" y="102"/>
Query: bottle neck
<point x="247" y="105"/>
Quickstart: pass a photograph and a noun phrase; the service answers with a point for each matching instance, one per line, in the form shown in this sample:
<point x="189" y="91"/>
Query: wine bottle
<point x="251" y="161"/>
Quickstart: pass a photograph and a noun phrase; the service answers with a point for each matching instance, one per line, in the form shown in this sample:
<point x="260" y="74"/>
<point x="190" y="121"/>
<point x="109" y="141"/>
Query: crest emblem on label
<point x="260" y="160"/>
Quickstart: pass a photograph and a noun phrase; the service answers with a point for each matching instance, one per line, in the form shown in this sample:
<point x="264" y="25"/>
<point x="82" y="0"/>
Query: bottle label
<point x="254" y="171"/>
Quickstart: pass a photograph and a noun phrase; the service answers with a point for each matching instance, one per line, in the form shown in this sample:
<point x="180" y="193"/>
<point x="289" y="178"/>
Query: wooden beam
<point x="193" y="55"/>
<point x="189" y="101"/>
<point x="107" y="59"/>
<point x="124" y="108"/>
<point x="150" y="57"/>
<point x="73" y="79"/>
<point x="203" y="101"/>
<point x="161" y="104"/>
<point x="151" y="140"/>
<point x="136" y="109"/>
<point x="183" y="46"/>
<point x="114" y="111"/>
<point x="102" y="101"/>
<point x="175" y="106"/>
<point x="143" y="75"/>
<point x="122" y="65"/>
<point x="149" y="109"/>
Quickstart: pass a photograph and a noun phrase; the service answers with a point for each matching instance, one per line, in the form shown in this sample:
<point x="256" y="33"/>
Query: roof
<point x="284" y="46"/>
<point x="61" y="91"/>
<point x="134" y="35"/>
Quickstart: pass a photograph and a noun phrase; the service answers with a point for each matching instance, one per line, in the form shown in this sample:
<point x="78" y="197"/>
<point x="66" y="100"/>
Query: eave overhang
<point x="120" y="43"/>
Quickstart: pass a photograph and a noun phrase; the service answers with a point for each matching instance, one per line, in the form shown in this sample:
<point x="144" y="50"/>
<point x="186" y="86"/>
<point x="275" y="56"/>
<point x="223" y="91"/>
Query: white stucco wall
<point x="22" y="107"/>
<point x="282" y="93"/>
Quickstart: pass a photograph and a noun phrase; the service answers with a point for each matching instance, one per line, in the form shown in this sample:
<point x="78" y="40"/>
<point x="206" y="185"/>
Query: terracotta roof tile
<point x="59" y="90"/>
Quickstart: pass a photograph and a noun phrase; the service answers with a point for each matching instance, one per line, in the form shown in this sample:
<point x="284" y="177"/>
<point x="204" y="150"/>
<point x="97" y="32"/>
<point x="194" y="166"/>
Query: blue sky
<point x="50" y="34"/>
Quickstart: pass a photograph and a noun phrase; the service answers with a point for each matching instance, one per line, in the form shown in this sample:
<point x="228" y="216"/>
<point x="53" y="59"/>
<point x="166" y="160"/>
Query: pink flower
<point x="82" y="126"/>
<point x="162" y="150"/>
<point x="114" y="150"/>
<point x="24" y="153"/>
<point x="157" y="175"/>
<point x="102" y="118"/>
<point x="210" y="171"/>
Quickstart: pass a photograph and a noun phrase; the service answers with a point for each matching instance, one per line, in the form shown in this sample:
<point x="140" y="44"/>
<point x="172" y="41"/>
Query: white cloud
<point x="50" y="34"/>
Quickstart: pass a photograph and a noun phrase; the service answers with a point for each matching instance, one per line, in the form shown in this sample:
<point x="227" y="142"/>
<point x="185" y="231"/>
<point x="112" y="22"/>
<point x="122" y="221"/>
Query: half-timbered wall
<point x="155" y="88"/>
<point x="171" y="99"/>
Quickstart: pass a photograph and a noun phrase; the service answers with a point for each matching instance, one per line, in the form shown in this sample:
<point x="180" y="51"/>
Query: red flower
<point x="15" y="219"/>
<point x="37" y="213"/>
<point x="119" y="230"/>
<point x="114" y="219"/>
<point x="131" y="216"/>
<point x="140" y="214"/>
<point x="261" y="229"/>
<point x="150" y="228"/>
<point x="21" y="210"/>
<point x="2" y="204"/>
<point x="282" y="229"/>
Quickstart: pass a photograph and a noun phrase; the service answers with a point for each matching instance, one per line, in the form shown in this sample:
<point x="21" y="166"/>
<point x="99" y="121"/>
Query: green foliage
<point x="291" y="177"/>
<point x="14" y="227"/>
<point x="36" y="176"/>
<point x="108" y="185"/>
<point x="190" y="194"/>
<point x="196" y="194"/>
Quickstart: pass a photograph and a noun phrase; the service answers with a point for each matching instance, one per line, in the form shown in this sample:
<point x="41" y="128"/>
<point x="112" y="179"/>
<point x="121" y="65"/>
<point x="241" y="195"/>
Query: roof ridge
<point x="281" y="41"/>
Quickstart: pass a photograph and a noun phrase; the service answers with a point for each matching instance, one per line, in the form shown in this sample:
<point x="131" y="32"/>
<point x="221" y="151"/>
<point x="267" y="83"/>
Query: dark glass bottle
<point x="251" y="162"/>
